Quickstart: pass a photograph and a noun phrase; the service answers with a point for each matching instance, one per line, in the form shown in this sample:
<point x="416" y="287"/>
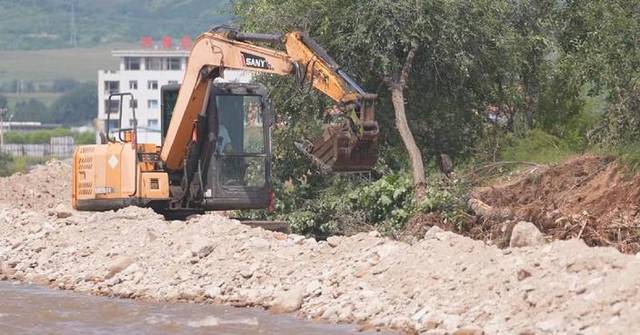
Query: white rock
<point x="201" y="248"/>
<point x="550" y="325"/>
<point x="419" y="314"/>
<point x="432" y="233"/>
<point x="213" y="291"/>
<point x="119" y="265"/>
<point x="247" y="272"/>
<point x="525" y="234"/>
<point x="62" y="211"/>
<point x="314" y="288"/>
<point x="334" y="241"/>
<point x="259" y="243"/>
<point x="288" y="301"/>
<point x="296" y="239"/>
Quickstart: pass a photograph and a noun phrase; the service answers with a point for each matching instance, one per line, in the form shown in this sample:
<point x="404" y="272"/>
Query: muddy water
<point x="36" y="310"/>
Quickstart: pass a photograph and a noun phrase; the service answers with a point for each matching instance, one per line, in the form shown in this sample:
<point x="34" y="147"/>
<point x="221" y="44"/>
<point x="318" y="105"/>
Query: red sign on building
<point x="147" y="42"/>
<point x="186" y="42"/>
<point x="166" y="42"/>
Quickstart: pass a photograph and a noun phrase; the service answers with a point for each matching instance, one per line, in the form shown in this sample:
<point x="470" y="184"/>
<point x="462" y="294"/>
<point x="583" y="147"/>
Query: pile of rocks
<point x="42" y="188"/>
<point x="443" y="284"/>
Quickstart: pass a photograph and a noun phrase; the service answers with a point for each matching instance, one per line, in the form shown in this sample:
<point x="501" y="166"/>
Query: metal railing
<point x="58" y="147"/>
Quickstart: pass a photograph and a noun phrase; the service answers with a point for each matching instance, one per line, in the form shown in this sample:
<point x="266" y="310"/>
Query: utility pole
<point x="3" y="112"/>
<point x="74" y="29"/>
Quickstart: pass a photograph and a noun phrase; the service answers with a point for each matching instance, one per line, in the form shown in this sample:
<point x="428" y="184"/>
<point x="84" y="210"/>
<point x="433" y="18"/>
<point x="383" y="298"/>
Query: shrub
<point x="6" y="164"/>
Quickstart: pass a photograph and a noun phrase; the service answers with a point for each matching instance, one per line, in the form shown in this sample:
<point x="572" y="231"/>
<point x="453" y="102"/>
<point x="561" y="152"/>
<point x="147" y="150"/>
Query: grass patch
<point x="628" y="154"/>
<point x="44" y="136"/>
<point x="10" y="164"/>
<point x="537" y="147"/>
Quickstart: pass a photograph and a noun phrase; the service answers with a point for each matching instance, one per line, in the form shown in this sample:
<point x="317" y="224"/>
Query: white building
<point x="142" y="72"/>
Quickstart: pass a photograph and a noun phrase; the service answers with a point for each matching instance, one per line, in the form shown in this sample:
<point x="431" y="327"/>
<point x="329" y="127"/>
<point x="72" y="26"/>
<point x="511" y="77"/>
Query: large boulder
<point x="525" y="234"/>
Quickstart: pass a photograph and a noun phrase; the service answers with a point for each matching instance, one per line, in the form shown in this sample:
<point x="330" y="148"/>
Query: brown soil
<point x="589" y="197"/>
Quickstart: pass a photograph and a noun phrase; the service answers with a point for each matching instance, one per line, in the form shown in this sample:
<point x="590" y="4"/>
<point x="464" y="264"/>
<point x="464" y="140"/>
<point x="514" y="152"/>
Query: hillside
<point x="81" y="64"/>
<point x="44" y="24"/>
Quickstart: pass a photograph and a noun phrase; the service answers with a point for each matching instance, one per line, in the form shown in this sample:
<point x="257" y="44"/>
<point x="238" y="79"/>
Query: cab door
<point x="240" y="168"/>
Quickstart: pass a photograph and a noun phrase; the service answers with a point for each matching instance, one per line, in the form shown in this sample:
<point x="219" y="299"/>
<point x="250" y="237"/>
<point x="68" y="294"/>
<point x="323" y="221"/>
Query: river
<point x="27" y="309"/>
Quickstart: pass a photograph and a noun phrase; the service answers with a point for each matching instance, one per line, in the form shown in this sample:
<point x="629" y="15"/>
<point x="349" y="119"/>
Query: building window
<point x="153" y="64"/>
<point x="132" y="123"/>
<point x="132" y="63"/>
<point x="152" y="84"/>
<point x="133" y="84"/>
<point x="111" y="106"/>
<point x="173" y="82"/>
<point x="174" y="64"/>
<point x="111" y="87"/>
<point x="113" y="125"/>
<point x="133" y="103"/>
<point x="152" y="104"/>
<point x="153" y="124"/>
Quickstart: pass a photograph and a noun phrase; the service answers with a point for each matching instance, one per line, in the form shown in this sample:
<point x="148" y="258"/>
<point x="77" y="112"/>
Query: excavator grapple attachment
<point x="341" y="149"/>
<point x="347" y="146"/>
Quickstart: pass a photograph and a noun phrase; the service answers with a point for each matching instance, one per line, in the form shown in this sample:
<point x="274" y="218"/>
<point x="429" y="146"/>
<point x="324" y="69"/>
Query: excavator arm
<point x="213" y="52"/>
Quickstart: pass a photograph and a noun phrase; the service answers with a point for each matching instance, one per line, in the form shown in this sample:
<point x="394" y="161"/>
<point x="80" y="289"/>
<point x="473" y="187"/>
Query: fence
<point x="58" y="147"/>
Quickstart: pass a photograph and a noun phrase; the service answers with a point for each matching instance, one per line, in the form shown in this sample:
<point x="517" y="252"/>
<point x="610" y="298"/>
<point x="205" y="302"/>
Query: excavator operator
<point x="224" y="139"/>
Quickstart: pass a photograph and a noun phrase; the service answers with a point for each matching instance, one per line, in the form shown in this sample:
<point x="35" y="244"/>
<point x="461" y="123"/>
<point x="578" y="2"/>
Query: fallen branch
<point x="510" y="162"/>
<point x="584" y="224"/>
<point x="486" y="211"/>
<point x="502" y="163"/>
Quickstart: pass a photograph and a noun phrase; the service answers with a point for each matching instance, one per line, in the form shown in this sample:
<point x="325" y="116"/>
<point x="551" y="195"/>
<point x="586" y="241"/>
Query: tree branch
<point x="406" y="69"/>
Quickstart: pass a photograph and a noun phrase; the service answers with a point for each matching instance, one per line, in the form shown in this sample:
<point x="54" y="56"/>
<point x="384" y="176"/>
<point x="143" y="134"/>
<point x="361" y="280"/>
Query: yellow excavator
<point x="216" y="135"/>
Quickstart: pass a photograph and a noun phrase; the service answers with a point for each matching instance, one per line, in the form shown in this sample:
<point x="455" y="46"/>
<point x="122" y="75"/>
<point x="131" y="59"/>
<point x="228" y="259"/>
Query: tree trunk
<point x="397" y="85"/>
<point x="417" y="166"/>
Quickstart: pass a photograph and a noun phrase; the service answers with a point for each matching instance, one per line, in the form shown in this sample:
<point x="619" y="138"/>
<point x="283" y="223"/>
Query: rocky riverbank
<point x="444" y="284"/>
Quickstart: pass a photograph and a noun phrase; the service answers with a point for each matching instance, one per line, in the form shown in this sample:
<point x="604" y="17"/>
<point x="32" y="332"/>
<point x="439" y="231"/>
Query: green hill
<point x="45" y="24"/>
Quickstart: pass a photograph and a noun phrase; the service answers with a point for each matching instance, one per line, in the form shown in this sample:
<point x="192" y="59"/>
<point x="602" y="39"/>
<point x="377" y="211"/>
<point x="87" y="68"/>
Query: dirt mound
<point x="590" y="197"/>
<point x="43" y="187"/>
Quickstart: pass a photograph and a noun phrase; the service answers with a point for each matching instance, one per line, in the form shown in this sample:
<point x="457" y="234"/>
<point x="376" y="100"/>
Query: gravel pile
<point x="444" y="284"/>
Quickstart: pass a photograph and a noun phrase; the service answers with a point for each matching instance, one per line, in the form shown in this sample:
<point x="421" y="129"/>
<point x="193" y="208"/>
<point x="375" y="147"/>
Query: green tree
<point x="31" y="110"/>
<point x="533" y="23"/>
<point x="77" y="107"/>
<point x="406" y="46"/>
<point x="600" y="39"/>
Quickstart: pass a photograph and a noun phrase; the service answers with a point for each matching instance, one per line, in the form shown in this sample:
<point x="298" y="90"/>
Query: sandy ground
<point x="443" y="284"/>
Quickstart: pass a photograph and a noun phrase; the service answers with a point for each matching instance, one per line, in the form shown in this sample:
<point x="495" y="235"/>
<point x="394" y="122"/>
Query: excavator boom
<point x="213" y="52"/>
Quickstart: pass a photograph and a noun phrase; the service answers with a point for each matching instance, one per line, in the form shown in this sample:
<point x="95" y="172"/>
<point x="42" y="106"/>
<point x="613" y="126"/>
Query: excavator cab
<point x="228" y="164"/>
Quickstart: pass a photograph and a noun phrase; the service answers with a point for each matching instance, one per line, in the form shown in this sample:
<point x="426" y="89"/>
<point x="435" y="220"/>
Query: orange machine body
<point x="115" y="175"/>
